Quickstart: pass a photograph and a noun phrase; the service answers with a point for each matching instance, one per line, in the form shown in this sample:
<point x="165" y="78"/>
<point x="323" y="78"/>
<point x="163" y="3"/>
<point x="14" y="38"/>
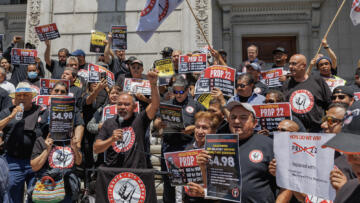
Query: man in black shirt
<point x="115" y="60"/>
<point x="80" y="55"/>
<point x="255" y="151"/>
<point x="20" y="133"/>
<point x="122" y="137"/>
<point x="56" y="67"/>
<point x="309" y="96"/>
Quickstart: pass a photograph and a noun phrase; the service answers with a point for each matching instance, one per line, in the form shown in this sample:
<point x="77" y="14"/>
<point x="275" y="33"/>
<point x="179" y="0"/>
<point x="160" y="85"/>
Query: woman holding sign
<point x="205" y="123"/>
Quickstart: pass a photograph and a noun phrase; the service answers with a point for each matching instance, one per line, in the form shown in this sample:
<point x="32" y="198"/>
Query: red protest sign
<point x="192" y="63"/>
<point x="95" y="74"/>
<point x="23" y="56"/>
<point x="357" y="96"/>
<point x="136" y="85"/>
<point x="270" y="115"/>
<point x="221" y="77"/>
<point x="183" y="166"/>
<point x="47" y="32"/>
<point x="271" y="77"/>
<point x="47" y="84"/>
<point x="109" y="112"/>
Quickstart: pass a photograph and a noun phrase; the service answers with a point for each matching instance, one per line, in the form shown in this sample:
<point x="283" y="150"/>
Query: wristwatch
<point x="326" y="47"/>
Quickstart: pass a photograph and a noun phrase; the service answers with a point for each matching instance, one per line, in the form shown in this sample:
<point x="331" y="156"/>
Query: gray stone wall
<point x="76" y="18"/>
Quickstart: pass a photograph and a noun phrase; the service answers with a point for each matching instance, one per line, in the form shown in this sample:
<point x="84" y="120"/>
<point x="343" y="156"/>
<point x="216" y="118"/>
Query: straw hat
<point x="24" y="87"/>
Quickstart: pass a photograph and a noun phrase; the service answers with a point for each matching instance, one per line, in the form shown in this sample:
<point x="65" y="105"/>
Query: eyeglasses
<point x="331" y="120"/>
<point x="340" y="96"/>
<point x="270" y="101"/>
<point x="241" y="85"/>
<point x="61" y="91"/>
<point x="179" y="92"/>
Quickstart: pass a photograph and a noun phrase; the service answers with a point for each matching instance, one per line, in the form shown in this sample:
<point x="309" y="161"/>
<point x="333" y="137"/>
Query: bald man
<point x="288" y="126"/>
<point x="309" y="96"/>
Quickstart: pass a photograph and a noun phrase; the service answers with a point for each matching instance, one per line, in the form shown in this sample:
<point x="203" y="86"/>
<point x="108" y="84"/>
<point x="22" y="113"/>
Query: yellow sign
<point x="98" y="38"/>
<point x="165" y="67"/>
<point x="205" y="99"/>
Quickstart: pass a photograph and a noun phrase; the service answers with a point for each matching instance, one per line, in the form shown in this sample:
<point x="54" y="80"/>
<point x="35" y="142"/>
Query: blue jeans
<point x="19" y="172"/>
<point x="4" y="181"/>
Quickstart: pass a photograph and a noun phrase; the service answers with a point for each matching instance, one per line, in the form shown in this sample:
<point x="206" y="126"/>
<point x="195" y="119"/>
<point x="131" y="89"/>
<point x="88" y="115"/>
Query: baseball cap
<point x="279" y="49"/>
<point x="137" y="61"/>
<point x="246" y="106"/>
<point x="130" y="59"/>
<point x="255" y="66"/>
<point x="344" y="90"/>
<point x="167" y="50"/>
<point x="78" y="52"/>
<point x="180" y="81"/>
<point x="348" y="140"/>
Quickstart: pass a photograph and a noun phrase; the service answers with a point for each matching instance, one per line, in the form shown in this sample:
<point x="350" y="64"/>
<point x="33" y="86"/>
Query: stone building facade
<point x="227" y="24"/>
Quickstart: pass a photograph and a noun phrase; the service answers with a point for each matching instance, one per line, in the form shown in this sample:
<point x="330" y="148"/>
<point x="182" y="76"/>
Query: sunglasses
<point x="331" y="120"/>
<point x="341" y="97"/>
<point x="61" y="91"/>
<point x="241" y="85"/>
<point x="179" y="92"/>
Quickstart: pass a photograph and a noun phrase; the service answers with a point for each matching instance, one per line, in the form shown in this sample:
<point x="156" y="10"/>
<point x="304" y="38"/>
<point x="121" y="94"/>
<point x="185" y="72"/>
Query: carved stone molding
<point x="33" y="20"/>
<point x="202" y="13"/>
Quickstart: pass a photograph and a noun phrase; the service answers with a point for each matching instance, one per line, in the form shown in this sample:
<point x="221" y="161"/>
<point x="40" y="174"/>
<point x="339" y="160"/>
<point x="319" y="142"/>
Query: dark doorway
<point x="268" y="44"/>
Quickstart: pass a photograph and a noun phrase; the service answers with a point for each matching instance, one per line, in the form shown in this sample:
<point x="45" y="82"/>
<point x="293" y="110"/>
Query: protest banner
<point x="172" y="116"/>
<point x="183" y="167"/>
<point x="223" y="174"/>
<point x="204" y="99"/>
<point x="222" y="77"/>
<point x="84" y="74"/>
<point x="109" y="111"/>
<point x="1" y="43"/>
<point x="302" y="165"/>
<point x="47" y="32"/>
<point x="47" y="84"/>
<point x="23" y="56"/>
<point x="62" y="113"/>
<point x="270" y="115"/>
<point x="95" y="74"/>
<point x="271" y="77"/>
<point x="166" y="70"/>
<point x="125" y="185"/>
<point x="192" y="63"/>
<point x="136" y="85"/>
<point x="357" y="96"/>
<point x="97" y="43"/>
<point x="334" y="82"/>
<point x="119" y="37"/>
<point x="44" y="100"/>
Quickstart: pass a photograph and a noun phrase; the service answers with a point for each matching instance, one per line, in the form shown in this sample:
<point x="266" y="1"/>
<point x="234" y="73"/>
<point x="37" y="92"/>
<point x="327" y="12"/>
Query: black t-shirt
<point x="129" y="153"/>
<point x="61" y="155"/>
<point x="308" y="100"/>
<point x="20" y="135"/>
<point x="258" y="185"/>
<point x="118" y="67"/>
<point x="56" y="69"/>
<point x="349" y="193"/>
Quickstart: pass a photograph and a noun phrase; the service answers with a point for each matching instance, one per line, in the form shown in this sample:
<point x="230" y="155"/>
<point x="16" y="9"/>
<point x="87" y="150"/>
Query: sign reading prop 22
<point x="270" y="115"/>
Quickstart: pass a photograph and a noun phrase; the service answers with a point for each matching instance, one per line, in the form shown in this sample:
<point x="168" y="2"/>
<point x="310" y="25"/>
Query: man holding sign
<point x="255" y="153"/>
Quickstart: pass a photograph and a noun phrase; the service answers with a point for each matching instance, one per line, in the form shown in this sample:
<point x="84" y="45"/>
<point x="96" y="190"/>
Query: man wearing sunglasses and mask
<point x="178" y="141"/>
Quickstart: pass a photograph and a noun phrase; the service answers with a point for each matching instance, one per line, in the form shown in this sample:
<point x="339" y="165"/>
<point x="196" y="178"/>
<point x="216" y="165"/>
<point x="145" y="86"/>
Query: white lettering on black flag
<point x="302" y="165"/>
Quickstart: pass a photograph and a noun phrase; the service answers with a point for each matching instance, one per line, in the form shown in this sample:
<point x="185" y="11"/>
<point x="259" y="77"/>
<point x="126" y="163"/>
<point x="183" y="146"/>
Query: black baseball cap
<point x="348" y="140"/>
<point x="279" y="49"/>
<point x="344" y="90"/>
<point x="167" y="50"/>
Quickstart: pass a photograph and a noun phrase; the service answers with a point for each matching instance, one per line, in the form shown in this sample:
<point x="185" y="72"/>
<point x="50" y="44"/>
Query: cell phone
<point x="102" y="75"/>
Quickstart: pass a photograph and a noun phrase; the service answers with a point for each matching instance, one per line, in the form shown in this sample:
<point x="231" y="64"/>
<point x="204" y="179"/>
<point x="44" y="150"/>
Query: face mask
<point x="32" y="75"/>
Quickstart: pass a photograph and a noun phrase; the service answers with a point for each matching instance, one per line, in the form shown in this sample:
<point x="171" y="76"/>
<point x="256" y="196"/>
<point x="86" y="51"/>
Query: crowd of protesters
<point x="316" y="107"/>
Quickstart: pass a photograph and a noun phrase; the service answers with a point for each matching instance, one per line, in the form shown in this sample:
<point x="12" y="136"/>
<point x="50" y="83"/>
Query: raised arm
<point x="331" y="53"/>
<point x="108" y="53"/>
<point x="152" y="108"/>
<point x="47" y="53"/>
